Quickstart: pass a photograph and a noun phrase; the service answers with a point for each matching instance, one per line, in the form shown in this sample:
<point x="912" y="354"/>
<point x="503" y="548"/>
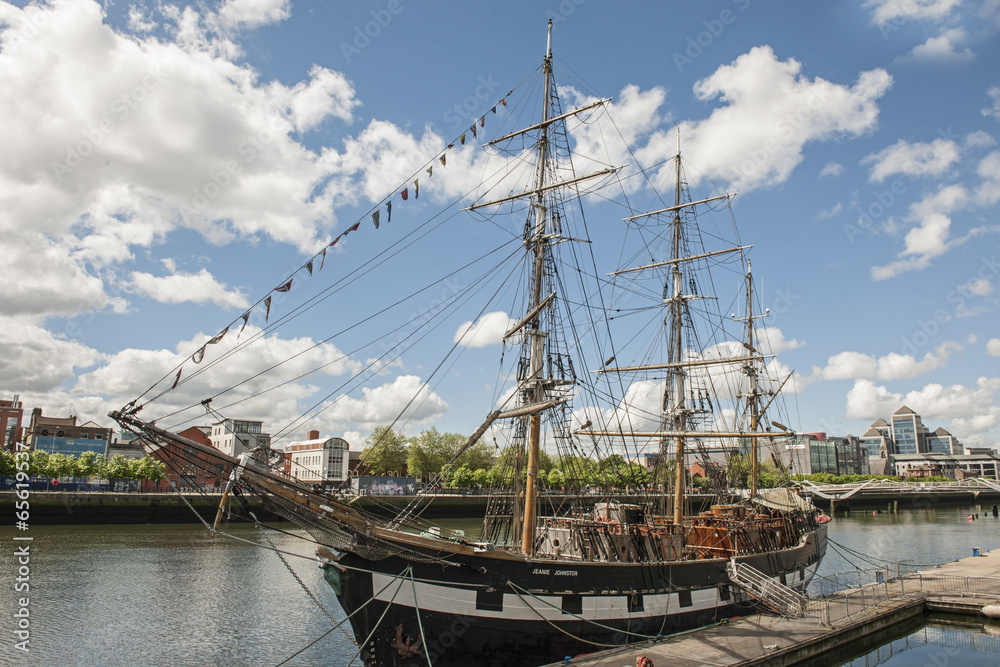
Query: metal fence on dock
<point x="862" y="599"/>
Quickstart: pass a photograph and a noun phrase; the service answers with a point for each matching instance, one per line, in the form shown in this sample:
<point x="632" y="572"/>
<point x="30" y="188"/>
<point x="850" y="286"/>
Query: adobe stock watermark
<point x="37" y="19"/>
<point x="122" y="107"/>
<point x="876" y="208"/>
<point x="696" y="45"/>
<point x="928" y="329"/>
<point x="473" y="106"/>
<point x="565" y="9"/>
<point x="371" y="30"/>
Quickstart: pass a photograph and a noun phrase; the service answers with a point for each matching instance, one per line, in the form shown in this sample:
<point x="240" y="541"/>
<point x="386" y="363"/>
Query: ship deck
<point x="832" y="623"/>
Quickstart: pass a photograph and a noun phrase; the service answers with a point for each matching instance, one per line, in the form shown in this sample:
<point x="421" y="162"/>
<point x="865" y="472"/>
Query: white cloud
<point x="252" y="13"/>
<point x="771" y="111"/>
<point x="977" y="287"/>
<point x="988" y="192"/>
<point x="831" y="169"/>
<point x="115" y="141"/>
<point x="941" y="49"/>
<point x="930" y="237"/>
<point x="774" y="341"/>
<point x="32" y="359"/>
<point x="382" y="404"/>
<point x="199" y="287"/>
<point x="892" y="366"/>
<point x="489" y="330"/>
<point x="972" y="410"/>
<point x="979" y="139"/>
<point x="846" y="365"/>
<point x="912" y="159"/>
<point x="831" y="212"/>
<point x="993" y="347"/>
<point x="895" y="11"/>
<point x="994" y="109"/>
<point x="895" y="366"/>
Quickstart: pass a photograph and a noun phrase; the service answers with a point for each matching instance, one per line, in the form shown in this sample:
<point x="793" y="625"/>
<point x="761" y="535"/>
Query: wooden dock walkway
<point x="831" y="622"/>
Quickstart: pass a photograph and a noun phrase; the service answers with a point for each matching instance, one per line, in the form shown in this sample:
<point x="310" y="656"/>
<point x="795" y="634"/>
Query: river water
<point x="175" y="595"/>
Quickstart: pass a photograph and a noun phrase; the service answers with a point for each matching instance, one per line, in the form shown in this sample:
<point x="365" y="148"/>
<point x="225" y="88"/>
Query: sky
<point x="166" y="165"/>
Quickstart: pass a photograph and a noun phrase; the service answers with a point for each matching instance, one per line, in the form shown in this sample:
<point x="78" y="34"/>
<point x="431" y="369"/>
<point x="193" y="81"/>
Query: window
<point x="684" y="598"/>
<point x="635" y="602"/>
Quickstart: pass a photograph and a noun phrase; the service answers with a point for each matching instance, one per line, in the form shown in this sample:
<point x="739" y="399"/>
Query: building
<point x="906" y="436"/>
<point x="11" y="414"/>
<point x="908" y="433"/>
<point x="957" y="466"/>
<point x="324" y="461"/>
<point x="235" y="436"/>
<point x="877" y="440"/>
<point x="942" y="442"/>
<point x="812" y="453"/>
<point x="62" y="435"/>
<point x="192" y="468"/>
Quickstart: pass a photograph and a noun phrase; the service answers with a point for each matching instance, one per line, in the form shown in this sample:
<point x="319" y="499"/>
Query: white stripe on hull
<point x="453" y="600"/>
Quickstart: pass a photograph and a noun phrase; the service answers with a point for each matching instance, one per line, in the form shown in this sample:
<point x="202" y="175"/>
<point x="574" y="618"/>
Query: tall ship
<point x="608" y="559"/>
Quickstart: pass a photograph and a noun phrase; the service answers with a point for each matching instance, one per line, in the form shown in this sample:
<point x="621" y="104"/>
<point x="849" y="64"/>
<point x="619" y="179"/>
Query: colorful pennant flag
<point x="375" y="217"/>
<point x="218" y="337"/>
<point x="473" y="128"/>
<point x="309" y="267"/>
<point x="416" y="189"/>
<point x="388" y="210"/>
<point x="406" y="194"/>
<point x="430" y="171"/>
<point x="199" y="355"/>
<point x="494" y="109"/>
<point x="461" y="139"/>
<point x="246" y="318"/>
<point x="284" y="288"/>
<point x="444" y="159"/>
<point x="354" y="227"/>
<point x="177" y="379"/>
<point x="482" y="121"/>
<point x="322" y="259"/>
<point x="267" y="306"/>
<point x="504" y="102"/>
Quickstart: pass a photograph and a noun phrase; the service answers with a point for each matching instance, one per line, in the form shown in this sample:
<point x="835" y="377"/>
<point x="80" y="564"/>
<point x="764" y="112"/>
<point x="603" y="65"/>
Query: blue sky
<point x="167" y="165"/>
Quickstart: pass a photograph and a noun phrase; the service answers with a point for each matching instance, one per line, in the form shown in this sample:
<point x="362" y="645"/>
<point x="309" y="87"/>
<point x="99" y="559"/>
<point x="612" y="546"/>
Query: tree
<point x="463" y="477"/>
<point x="118" y="467"/>
<point x="87" y="464"/>
<point x="8" y="465"/>
<point x="430" y="451"/>
<point x="556" y="478"/>
<point x="385" y="453"/>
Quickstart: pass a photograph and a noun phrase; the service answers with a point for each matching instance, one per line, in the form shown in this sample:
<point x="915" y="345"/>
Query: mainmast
<point x="536" y="387"/>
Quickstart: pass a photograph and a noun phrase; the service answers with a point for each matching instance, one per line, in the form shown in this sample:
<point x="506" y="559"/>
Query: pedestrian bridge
<point x="884" y="488"/>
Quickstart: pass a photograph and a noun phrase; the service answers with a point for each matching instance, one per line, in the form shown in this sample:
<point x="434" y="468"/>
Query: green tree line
<point x="429" y="457"/>
<point x="88" y="464"/>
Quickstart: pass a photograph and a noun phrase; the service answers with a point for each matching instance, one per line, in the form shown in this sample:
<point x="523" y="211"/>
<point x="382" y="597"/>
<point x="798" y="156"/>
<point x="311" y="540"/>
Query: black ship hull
<point x="488" y="611"/>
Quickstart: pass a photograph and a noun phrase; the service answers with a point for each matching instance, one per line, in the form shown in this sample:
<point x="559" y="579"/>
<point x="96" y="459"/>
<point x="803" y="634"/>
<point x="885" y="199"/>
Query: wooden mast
<point x="677" y="306"/>
<point x="753" y="394"/>
<point x="536" y="388"/>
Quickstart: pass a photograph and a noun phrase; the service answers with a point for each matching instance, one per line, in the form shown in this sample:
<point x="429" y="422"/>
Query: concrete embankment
<point x="68" y="507"/>
<point x="80" y="507"/>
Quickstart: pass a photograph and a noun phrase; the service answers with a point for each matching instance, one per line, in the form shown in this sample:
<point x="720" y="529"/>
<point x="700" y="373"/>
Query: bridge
<point x="889" y="490"/>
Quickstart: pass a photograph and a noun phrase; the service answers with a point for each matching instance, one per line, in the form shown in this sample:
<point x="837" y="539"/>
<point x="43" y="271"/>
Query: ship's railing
<point x="862" y="600"/>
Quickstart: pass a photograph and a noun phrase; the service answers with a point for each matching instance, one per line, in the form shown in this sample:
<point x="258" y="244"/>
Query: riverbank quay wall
<point x="103" y="507"/>
<point x="833" y="628"/>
